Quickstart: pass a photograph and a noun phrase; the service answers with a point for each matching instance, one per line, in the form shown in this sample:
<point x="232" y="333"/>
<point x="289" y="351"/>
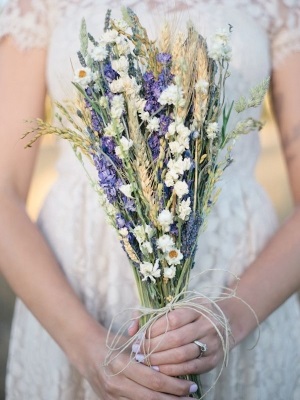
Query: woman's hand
<point x="123" y="379"/>
<point x="171" y="344"/>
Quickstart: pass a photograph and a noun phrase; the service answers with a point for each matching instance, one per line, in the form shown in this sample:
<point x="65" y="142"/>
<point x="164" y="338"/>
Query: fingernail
<point x="193" y="388"/>
<point x="155" y="368"/>
<point x="136" y="348"/>
<point x="132" y="324"/>
<point x="139" y="358"/>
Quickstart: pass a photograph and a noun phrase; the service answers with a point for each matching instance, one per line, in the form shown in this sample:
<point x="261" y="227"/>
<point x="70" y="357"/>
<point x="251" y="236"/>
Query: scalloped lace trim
<point x="26" y="22"/>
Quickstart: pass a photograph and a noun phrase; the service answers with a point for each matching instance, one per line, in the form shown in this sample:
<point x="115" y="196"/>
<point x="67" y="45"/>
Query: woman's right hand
<point x="122" y="379"/>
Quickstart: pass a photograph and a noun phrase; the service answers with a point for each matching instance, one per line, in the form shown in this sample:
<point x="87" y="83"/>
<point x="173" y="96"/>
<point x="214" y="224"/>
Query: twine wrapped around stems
<point x="205" y="305"/>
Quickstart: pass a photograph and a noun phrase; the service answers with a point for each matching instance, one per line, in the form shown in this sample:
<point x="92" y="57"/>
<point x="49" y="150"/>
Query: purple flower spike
<point x="108" y="145"/>
<point x="110" y="73"/>
<point x="164" y="58"/>
<point x="120" y="221"/>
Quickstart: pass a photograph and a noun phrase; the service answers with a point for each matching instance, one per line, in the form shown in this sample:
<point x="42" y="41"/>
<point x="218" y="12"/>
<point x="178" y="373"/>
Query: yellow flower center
<point x="173" y="254"/>
<point x="82" y="74"/>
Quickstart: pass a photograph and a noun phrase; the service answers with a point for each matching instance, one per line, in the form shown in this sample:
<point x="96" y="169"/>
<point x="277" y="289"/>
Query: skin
<point x="271" y="279"/>
<point x="32" y="271"/>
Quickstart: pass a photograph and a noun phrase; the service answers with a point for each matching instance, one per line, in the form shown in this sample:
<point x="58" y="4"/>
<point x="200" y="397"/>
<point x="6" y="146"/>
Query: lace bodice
<point x="32" y="22"/>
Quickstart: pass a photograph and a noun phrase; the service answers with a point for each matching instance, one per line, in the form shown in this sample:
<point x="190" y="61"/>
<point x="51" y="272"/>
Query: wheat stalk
<point x="129" y="250"/>
<point x="141" y="163"/>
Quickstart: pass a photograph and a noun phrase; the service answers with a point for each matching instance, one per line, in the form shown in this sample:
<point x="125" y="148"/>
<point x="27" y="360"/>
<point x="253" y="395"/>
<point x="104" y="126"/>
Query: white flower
<point x="150" y="271"/>
<point x="173" y="94"/>
<point x="120" y="65"/>
<point x="165" y="218"/>
<point x="123" y="232"/>
<point x="127" y="190"/>
<point x="131" y="87"/>
<point x="171" y="129"/>
<point x="140" y="104"/>
<point x="139" y="233"/>
<point x="103" y="102"/>
<point x="150" y="231"/>
<point x="123" y="46"/>
<point x="183" y="141"/>
<point x="125" y="145"/>
<point x="174" y="256"/>
<point x="169" y="273"/>
<point x="147" y="246"/>
<point x="170" y="178"/>
<point x="202" y="86"/>
<point x="176" y="148"/>
<point x="183" y="131"/>
<point x="117" y="85"/>
<point x="110" y="130"/>
<point x="110" y="36"/>
<point x="113" y="128"/>
<point x="220" y="48"/>
<point x="184" y="209"/>
<point x="179" y="166"/>
<point x="181" y="188"/>
<point x="165" y="243"/>
<point x="144" y="115"/>
<point x="83" y="76"/>
<point x="117" y="106"/>
<point x="153" y="124"/>
<point x="212" y="130"/>
<point x="98" y="53"/>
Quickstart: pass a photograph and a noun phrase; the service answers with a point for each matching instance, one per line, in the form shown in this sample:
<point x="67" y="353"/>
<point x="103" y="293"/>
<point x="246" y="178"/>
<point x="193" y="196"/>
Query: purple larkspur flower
<point x="174" y="230"/>
<point x="108" y="178"/>
<point x="189" y="235"/>
<point x="165" y="78"/>
<point x="120" y="221"/>
<point x="108" y="145"/>
<point x="89" y="92"/>
<point x="154" y="145"/>
<point x="109" y="73"/>
<point x="164" y="122"/>
<point x="129" y="204"/>
<point x="164" y="58"/>
<point x="96" y="121"/>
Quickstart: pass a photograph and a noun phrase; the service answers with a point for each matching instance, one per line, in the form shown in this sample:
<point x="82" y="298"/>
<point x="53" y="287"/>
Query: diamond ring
<point x="202" y="346"/>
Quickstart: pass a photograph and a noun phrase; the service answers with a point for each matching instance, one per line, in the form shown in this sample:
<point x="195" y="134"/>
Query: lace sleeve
<point x="26" y="21"/>
<point x="285" y="31"/>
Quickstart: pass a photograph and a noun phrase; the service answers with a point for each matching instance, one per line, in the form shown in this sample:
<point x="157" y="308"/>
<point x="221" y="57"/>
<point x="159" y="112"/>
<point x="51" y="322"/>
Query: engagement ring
<point x="202" y="347"/>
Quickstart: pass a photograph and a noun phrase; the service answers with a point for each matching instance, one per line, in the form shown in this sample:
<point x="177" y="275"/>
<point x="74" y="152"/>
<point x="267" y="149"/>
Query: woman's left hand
<point x="171" y="343"/>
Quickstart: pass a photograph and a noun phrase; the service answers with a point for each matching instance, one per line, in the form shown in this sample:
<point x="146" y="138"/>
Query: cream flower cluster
<point x="179" y="141"/>
<point x="123" y="149"/>
<point x="172" y="95"/>
<point x="172" y="255"/>
<point x="212" y="130"/>
<point x="115" y="127"/>
<point x="143" y="235"/>
<point x="220" y="50"/>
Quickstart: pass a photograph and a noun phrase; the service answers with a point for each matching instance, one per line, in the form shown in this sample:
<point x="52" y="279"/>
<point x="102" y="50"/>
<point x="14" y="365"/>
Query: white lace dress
<point x="265" y="31"/>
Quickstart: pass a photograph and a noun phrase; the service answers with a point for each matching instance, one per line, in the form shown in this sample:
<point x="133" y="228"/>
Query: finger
<point x="159" y="382"/>
<point x="197" y="366"/>
<point x="174" y="356"/>
<point x="173" y="320"/>
<point x="170" y="340"/>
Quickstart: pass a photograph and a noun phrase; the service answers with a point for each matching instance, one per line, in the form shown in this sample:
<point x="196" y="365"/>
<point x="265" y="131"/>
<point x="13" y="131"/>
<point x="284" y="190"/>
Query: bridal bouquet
<point x="152" y="117"/>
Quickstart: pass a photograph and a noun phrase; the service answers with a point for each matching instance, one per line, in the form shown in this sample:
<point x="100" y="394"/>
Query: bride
<point x="69" y="271"/>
